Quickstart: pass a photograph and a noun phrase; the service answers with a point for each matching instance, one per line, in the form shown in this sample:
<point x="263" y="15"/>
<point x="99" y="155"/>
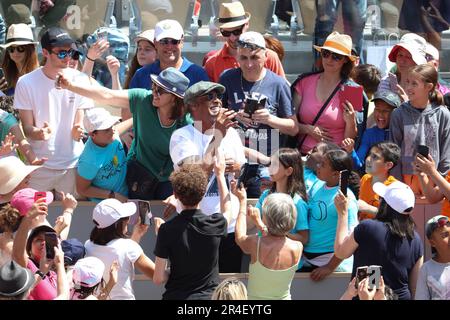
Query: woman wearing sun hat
<point x="21" y="57"/>
<point x="389" y="240"/>
<point x="156" y="115"/>
<point x="311" y="91"/>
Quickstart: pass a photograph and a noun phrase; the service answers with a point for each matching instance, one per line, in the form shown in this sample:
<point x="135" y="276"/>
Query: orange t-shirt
<point x="446" y="203"/>
<point x="367" y="194"/>
<point x="222" y="60"/>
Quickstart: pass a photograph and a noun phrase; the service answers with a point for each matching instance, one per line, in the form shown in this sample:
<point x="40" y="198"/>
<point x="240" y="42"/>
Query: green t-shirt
<point x="7" y="121"/>
<point x="151" y="141"/>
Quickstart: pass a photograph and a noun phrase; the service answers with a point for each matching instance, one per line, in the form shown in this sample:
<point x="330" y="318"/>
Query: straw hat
<point x="338" y="43"/>
<point x="232" y="14"/>
<point x="19" y="34"/>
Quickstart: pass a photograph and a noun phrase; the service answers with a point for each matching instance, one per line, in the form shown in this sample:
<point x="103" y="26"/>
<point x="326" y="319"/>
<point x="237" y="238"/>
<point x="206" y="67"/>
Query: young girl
<point x="319" y="251"/>
<point x="286" y="171"/>
<point x="423" y="120"/>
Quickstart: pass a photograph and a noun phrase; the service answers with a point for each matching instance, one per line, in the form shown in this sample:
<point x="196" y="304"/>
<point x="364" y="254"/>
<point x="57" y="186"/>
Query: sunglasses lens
<point x="75" y="55"/>
<point x="18" y="48"/>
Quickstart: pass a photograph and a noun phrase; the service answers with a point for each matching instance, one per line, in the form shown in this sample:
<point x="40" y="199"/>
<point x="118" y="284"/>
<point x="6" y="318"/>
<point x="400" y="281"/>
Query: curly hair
<point x="189" y="184"/>
<point x="6" y="104"/>
<point x="10" y="219"/>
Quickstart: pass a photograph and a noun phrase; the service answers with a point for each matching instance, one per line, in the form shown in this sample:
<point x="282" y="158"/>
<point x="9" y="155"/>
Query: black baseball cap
<point x="55" y="37"/>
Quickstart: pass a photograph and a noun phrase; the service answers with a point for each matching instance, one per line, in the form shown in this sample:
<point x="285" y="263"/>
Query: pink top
<point x="332" y="118"/>
<point x="46" y="289"/>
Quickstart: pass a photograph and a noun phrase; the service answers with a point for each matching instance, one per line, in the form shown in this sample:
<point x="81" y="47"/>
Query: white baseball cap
<point x="98" y="119"/>
<point x="168" y="29"/>
<point x="397" y="195"/>
<point x="252" y="38"/>
<point x="109" y="211"/>
<point x="88" y="272"/>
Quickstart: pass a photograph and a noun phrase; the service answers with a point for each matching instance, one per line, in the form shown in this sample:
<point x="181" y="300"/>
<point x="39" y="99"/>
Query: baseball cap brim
<point x="380" y="189"/>
<point x="15" y="181"/>
<point x="214" y="87"/>
<point x="127" y="209"/>
<point x="108" y="123"/>
<point x="416" y="56"/>
<point x="165" y="87"/>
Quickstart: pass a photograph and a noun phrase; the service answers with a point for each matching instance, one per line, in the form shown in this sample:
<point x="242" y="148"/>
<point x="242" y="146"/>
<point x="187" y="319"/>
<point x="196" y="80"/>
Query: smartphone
<point x="243" y="174"/>
<point x="393" y="82"/>
<point x="40" y="195"/>
<point x="51" y="241"/>
<point x="423" y="150"/>
<point x="251" y="105"/>
<point x="143" y="213"/>
<point x="343" y="181"/>
<point x="2" y="73"/>
<point x="374" y="274"/>
<point x="361" y="274"/>
<point x="102" y="34"/>
<point x="354" y="95"/>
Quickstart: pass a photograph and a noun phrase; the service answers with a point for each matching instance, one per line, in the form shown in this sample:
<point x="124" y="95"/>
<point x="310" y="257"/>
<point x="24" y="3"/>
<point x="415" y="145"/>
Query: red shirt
<point x="222" y="60"/>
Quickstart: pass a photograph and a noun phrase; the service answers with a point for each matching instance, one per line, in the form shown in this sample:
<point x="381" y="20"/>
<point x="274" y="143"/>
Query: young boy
<point x="434" y="276"/>
<point x="385" y="103"/>
<point x="102" y="167"/>
<point x="382" y="158"/>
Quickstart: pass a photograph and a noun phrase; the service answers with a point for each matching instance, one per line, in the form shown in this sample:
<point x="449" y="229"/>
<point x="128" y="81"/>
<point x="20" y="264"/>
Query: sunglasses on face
<point x="246" y="45"/>
<point x="167" y="41"/>
<point x="18" y="48"/>
<point x="213" y="96"/>
<point x="158" y="91"/>
<point x="236" y="32"/>
<point x="74" y="54"/>
<point x="326" y="53"/>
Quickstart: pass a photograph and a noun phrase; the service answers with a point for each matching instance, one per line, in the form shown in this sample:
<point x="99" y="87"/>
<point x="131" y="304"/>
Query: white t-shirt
<point x="434" y="281"/>
<point x="126" y="252"/>
<point x="36" y="92"/>
<point x="187" y="142"/>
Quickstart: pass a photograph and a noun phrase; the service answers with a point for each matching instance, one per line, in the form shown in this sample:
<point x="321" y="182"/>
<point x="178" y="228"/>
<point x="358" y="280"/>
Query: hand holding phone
<point x="343" y="181"/>
<point x="40" y="195"/>
<point x="102" y="34"/>
<point x="354" y="95"/>
<point x="51" y="241"/>
<point x="361" y="274"/>
<point x="251" y="105"/>
<point x="143" y="213"/>
<point x="423" y="150"/>
<point x="393" y="82"/>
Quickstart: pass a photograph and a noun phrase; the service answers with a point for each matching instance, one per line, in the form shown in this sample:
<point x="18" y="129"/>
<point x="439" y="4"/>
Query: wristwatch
<point x="111" y="195"/>
<point x="40" y="274"/>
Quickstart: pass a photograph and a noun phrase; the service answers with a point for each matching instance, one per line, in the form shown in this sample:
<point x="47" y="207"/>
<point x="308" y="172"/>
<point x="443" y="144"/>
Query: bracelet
<point x="40" y="274"/>
<point x="87" y="57"/>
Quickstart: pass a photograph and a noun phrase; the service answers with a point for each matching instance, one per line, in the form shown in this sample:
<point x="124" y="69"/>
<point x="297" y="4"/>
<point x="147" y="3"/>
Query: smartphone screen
<point x="343" y="181"/>
<point x="423" y="150"/>
<point x="39" y="195"/>
<point x="143" y="212"/>
<point x="361" y="274"/>
<point x="393" y="82"/>
<point x="51" y="241"/>
<point x="251" y="105"/>
<point x="354" y="95"/>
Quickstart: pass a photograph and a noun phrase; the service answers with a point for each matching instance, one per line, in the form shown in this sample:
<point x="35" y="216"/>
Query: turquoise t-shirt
<point x="7" y="121"/>
<point x="312" y="183"/>
<point x="151" y="141"/>
<point x="302" y="211"/>
<point x="323" y="219"/>
<point x="106" y="167"/>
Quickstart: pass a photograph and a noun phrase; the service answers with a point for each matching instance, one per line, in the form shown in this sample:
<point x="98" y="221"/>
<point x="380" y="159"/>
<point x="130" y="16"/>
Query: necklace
<point x="161" y="124"/>
<point x="250" y="91"/>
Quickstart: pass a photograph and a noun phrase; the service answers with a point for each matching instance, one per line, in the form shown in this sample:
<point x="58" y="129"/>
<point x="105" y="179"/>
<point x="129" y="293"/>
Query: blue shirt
<point x="370" y="137"/>
<point x="323" y="219"/>
<point x="193" y="72"/>
<point x="397" y="256"/>
<point x="106" y="167"/>
<point x="312" y="183"/>
<point x="302" y="211"/>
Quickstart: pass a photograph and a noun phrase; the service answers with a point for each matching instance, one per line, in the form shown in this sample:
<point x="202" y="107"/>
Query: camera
<point x="251" y="105"/>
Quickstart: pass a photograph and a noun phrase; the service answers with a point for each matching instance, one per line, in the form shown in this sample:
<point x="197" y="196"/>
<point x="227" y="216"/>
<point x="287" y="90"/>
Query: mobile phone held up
<point x="423" y="150"/>
<point x="40" y="195"/>
<point x="343" y="181"/>
<point x="51" y="241"/>
<point x="143" y="212"/>
<point x="393" y="82"/>
<point x="372" y="272"/>
<point x="361" y="274"/>
<point x="354" y="95"/>
<point x="251" y="105"/>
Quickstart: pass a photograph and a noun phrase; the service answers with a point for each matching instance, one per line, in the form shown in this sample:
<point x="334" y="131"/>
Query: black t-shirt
<point x="377" y="246"/>
<point x="190" y="241"/>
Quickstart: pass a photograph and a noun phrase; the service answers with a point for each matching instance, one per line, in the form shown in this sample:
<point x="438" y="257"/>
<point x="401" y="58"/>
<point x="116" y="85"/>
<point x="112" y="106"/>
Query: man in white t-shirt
<point x="52" y="118"/>
<point x="197" y="143"/>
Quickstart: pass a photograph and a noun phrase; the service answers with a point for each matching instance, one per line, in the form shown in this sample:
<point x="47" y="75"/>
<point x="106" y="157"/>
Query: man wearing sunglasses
<point x="168" y="42"/>
<point x="261" y="98"/>
<point x="232" y="22"/>
<point x="50" y="116"/>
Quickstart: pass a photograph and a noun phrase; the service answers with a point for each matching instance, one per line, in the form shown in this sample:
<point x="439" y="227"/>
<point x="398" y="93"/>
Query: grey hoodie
<point x="409" y="128"/>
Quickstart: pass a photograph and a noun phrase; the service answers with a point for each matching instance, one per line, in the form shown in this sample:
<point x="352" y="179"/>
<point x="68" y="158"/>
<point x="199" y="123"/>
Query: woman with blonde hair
<point x="230" y="289"/>
<point x="21" y="57"/>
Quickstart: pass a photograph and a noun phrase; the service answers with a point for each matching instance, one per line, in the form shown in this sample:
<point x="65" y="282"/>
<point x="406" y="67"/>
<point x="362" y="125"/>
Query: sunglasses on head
<point x="251" y="46"/>
<point x="213" y="95"/>
<point x="74" y="54"/>
<point x="167" y="41"/>
<point x="20" y="49"/>
<point x="158" y="90"/>
<point x="236" y="32"/>
<point x="326" y="53"/>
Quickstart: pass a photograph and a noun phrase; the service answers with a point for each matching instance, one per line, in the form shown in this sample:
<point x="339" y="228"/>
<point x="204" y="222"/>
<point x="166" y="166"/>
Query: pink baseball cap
<point x="23" y="200"/>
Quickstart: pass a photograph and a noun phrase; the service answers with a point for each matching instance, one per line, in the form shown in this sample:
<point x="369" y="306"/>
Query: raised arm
<point x="224" y="193"/>
<point x="344" y="244"/>
<point x="115" y="98"/>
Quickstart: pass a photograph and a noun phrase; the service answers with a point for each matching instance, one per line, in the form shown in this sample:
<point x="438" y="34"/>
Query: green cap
<point x="200" y="89"/>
